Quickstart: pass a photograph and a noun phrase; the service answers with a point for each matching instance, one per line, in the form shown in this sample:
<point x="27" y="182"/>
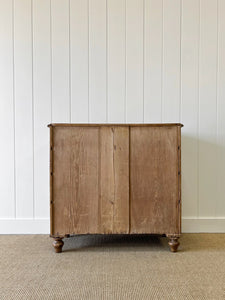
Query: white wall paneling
<point x="208" y="175"/>
<point x="189" y="104"/>
<point x="42" y="103"/>
<point x="79" y="40"/>
<point x="171" y="61"/>
<point x="7" y="183"/>
<point x="60" y="56"/>
<point x="97" y="61"/>
<point x="23" y="67"/>
<point x="134" y="61"/>
<point x="116" y="59"/>
<point x="220" y="207"/>
<point x="111" y="61"/>
<point x="153" y="42"/>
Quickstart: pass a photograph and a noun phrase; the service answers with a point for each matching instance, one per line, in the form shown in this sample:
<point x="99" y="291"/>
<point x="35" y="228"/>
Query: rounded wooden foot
<point x="58" y="244"/>
<point x="173" y="243"/>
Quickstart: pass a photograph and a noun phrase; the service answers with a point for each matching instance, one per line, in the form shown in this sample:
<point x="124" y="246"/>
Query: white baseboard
<point x="24" y="226"/>
<point x="42" y="226"/>
<point x="210" y="225"/>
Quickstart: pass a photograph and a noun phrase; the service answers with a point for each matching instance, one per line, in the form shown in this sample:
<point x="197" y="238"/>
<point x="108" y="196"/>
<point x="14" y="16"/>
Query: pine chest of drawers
<point x="115" y="179"/>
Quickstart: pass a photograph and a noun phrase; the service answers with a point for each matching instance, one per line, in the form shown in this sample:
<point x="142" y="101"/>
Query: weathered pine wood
<point x="179" y="177"/>
<point x="51" y="181"/>
<point x="154" y="180"/>
<point x="117" y="124"/>
<point x="114" y="179"/>
<point x="90" y="175"/>
<point x="75" y="180"/>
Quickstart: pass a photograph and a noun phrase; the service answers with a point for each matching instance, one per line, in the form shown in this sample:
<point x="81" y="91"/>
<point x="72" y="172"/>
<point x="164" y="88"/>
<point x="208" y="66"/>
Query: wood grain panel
<point x="114" y="179"/>
<point x="154" y="180"/>
<point x="75" y="180"/>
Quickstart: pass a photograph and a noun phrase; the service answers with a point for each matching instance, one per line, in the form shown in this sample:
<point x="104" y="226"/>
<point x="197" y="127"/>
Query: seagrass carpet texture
<point x="104" y="267"/>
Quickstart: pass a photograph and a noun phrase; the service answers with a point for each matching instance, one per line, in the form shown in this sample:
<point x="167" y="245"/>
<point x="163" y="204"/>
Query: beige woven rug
<point x="112" y="267"/>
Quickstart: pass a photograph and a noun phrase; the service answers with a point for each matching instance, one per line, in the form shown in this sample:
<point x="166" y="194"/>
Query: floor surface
<point x="112" y="267"/>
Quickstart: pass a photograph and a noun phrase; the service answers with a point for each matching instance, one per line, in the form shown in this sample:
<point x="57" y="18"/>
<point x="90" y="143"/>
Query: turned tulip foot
<point x="173" y="242"/>
<point x="58" y="244"/>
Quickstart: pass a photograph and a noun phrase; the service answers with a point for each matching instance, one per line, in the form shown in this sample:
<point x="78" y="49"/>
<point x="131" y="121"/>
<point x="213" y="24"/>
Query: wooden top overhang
<point x="114" y="124"/>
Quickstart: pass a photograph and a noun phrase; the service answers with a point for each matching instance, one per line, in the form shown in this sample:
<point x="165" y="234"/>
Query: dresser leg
<point x="58" y="244"/>
<point x="173" y="242"/>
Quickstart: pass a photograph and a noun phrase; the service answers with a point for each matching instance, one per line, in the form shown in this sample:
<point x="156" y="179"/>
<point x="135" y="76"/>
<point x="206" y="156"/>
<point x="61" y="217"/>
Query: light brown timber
<point x="114" y="179"/>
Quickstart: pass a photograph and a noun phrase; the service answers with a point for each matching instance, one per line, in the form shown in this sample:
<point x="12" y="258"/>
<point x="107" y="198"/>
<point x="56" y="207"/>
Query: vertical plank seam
<point x="143" y="110"/>
<point x="129" y="179"/>
<point x="51" y="128"/>
<point x="180" y="118"/>
<point x="217" y="109"/>
<point x="114" y="180"/>
<point x="179" y="177"/>
<point x="181" y="94"/>
<point x="180" y="187"/>
<point x="177" y="174"/>
<point x="32" y="96"/>
<point x="162" y="63"/>
<point x="198" y="129"/>
<point x="69" y="33"/>
<point x="99" y="182"/>
<point x="51" y="182"/>
<point x="14" y="112"/>
<point x="71" y="185"/>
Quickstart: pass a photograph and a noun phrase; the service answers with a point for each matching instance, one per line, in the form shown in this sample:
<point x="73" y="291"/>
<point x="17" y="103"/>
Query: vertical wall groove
<point x="70" y="100"/>
<point x="180" y="107"/>
<point x="162" y="64"/>
<point x="14" y="125"/>
<point x="125" y="102"/>
<point x="107" y="62"/>
<point x="198" y="133"/>
<point x="50" y="3"/>
<point x="143" y="111"/>
<point x="217" y="102"/>
<point x="88" y="13"/>
<point x="32" y="91"/>
<point x="125" y="62"/>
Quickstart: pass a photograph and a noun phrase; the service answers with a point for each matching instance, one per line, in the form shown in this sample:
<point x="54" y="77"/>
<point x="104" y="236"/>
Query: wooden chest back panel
<point x="154" y="180"/>
<point x="75" y="180"/>
<point x="90" y="180"/>
<point x="115" y="179"/>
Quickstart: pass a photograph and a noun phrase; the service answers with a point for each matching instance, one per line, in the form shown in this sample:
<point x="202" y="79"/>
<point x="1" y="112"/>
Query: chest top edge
<point x="115" y="124"/>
